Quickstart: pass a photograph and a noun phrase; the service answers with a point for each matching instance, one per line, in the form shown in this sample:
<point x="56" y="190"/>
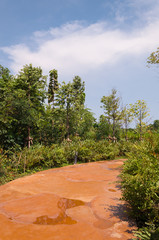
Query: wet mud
<point x="80" y="202"/>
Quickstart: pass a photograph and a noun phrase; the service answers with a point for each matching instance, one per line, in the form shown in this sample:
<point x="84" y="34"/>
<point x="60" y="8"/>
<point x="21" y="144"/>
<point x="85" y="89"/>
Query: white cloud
<point x="74" y="48"/>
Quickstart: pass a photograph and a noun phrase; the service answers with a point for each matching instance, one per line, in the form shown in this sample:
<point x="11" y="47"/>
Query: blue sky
<point x="105" y="42"/>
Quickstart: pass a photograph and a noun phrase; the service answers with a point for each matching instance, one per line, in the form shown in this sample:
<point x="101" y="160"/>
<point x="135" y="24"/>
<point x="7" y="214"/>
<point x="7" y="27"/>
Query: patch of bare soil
<point x="79" y="202"/>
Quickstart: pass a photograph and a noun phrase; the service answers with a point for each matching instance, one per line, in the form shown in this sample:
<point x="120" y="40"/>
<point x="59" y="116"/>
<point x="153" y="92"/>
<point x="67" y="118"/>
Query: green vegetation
<point x="47" y="126"/>
<point x="111" y="105"/>
<point x="141" y="181"/>
<point x="140" y="175"/>
<point x="26" y="118"/>
<point x="40" y="157"/>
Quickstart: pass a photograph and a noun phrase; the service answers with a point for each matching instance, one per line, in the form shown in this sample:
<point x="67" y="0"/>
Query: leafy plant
<point x="140" y="183"/>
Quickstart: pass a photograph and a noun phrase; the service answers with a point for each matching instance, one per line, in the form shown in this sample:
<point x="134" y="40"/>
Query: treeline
<point x="32" y="111"/>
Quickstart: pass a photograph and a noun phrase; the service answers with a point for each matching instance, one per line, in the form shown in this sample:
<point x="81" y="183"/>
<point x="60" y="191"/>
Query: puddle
<point x="65" y="203"/>
<point x="62" y="218"/>
<point x="111" y="190"/>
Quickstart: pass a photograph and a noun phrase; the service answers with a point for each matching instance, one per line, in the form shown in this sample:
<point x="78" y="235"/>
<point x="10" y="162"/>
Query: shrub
<point x="125" y="147"/>
<point x="39" y="157"/>
<point x="140" y="183"/>
<point x="148" y="232"/>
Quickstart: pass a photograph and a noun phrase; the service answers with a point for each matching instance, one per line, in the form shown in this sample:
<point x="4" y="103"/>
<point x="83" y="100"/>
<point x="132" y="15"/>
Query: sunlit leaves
<point x="154" y="57"/>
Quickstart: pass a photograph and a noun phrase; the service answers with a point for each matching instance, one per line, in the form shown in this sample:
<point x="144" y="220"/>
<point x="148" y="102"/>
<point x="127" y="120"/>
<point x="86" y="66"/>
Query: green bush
<point x="125" y="147"/>
<point x="39" y="157"/>
<point x="140" y="183"/>
<point x="149" y="232"/>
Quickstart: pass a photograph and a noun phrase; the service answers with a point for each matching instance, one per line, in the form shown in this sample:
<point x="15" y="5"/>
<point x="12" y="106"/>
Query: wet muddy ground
<point x="79" y="202"/>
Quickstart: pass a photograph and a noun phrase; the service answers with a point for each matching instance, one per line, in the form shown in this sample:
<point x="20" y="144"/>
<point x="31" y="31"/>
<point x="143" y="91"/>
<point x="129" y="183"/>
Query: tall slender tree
<point x="70" y="100"/>
<point x="53" y="86"/>
<point x="126" y="118"/>
<point x="111" y="106"/>
<point x="6" y="109"/>
<point x="140" y="112"/>
<point x="30" y="89"/>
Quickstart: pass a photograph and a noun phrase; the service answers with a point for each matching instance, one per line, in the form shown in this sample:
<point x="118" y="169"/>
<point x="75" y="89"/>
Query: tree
<point x="70" y="101"/>
<point x="85" y="125"/>
<point x="155" y="125"/>
<point x="126" y="118"/>
<point x="111" y="106"/>
<point x="51" y="126"/>
<point x="53" y="86"/>
<point x="78" y="100"/>
<point x="102" y="128"/>
<point x="68" y="116"/>
<point x="140" y="112"/>
<point x="30" y="91"/>
<point x="7" y="136"/>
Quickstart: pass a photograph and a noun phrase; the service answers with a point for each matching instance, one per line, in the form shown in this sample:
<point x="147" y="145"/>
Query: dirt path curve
<point x="79" y="202"/>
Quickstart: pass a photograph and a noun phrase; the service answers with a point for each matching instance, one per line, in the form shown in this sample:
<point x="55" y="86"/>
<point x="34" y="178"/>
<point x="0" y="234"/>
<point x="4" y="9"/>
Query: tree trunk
<point x="140" y="126"/>
<point x="29" y="126"/>
<point x="76" y="156"/>
<point x="67" y="122"/>
<point x="126" y="134"/>
<point x="126" y="130"/>
<point x="113" y="127"/>
<point x="28" y="137"/>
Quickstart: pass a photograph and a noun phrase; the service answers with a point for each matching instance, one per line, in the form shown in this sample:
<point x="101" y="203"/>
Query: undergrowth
<point x="140" y="187"/>
<point x="14" y="164"/>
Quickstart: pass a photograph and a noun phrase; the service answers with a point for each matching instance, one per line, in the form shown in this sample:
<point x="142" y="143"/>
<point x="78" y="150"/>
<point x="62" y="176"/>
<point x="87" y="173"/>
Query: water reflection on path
<point x="62" y="218"/>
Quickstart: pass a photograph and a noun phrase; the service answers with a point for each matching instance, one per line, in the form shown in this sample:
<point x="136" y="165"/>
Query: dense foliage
<point x="39" y="157"/>
<point x="140" y="183"/>
<point x="32" y="112"/>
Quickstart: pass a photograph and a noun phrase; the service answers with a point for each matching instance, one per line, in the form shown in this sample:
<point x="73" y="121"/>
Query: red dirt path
<point x="79" y="202"/>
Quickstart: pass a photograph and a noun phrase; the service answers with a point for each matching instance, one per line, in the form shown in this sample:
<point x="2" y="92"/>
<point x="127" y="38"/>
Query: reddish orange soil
<point x="79" y="202"/>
